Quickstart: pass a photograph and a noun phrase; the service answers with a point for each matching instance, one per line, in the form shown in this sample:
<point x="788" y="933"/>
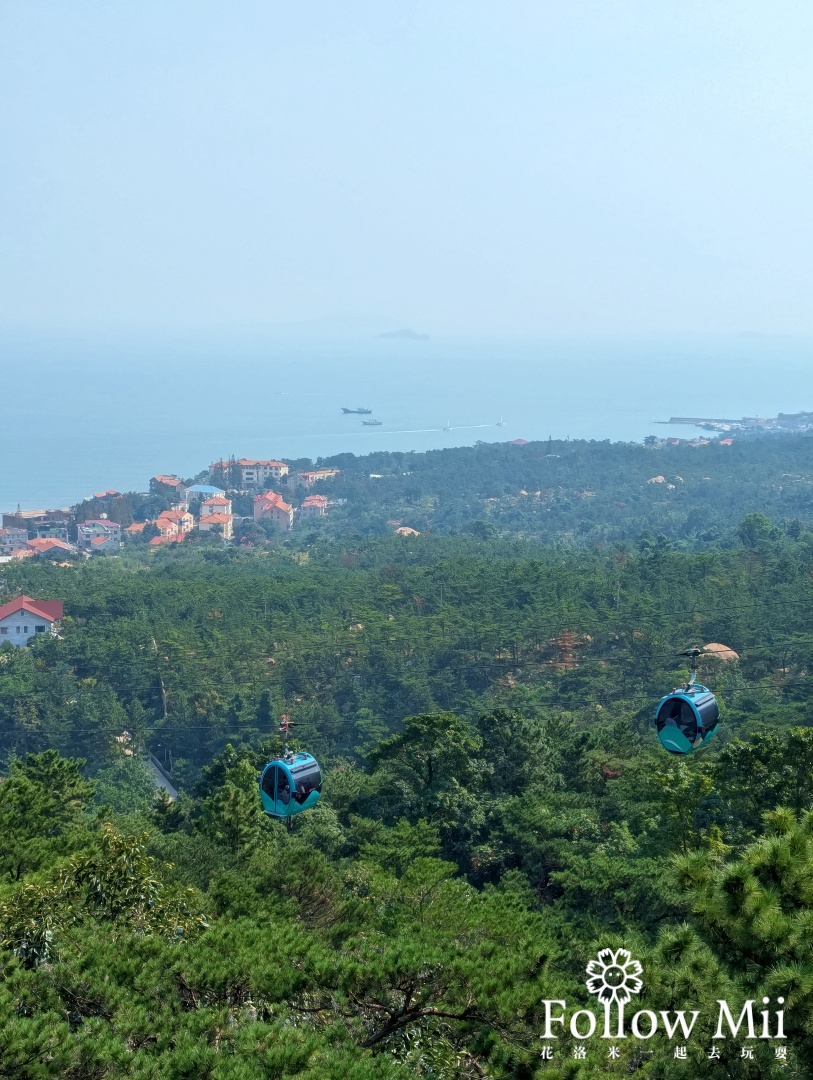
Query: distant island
<point x="405" y="335"/>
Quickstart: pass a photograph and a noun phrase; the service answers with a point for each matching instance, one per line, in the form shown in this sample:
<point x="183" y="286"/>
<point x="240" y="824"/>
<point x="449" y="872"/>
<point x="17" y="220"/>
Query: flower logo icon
<point x="614" y="979"/>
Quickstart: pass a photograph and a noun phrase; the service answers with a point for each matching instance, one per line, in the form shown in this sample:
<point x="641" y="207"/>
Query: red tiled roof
<point x="112" y="491"/>
<point x="270" y="498"/>
<point x="23" y="553"/>
<point x="44" y="544"/>
<point x="215" y="519"/>
<point x="176" y="539"/>
<point x="101" y="540"/>
<point x="315" y="500"/>
<point x="216" y="500"/>
<point x="170" y="481"/>
<point x="45" y="609"/>
<point x="136" y="527"/>
<point x="519" y="442"/>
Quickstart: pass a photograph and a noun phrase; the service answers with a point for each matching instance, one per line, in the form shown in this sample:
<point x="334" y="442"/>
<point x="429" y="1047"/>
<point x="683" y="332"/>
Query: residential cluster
<point x="207" y="508"/>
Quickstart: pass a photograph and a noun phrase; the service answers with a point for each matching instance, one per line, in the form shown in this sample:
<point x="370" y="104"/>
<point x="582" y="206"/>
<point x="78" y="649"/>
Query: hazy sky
<point x="458" y="165"/>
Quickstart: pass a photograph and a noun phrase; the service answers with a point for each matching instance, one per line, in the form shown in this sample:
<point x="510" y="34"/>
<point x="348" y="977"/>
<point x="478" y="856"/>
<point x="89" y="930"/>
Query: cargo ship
<point x="358" y="410"/>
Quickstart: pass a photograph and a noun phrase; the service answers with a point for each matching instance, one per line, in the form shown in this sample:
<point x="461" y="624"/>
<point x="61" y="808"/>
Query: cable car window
<point x="709" y="711"/>
<point x="283" y="788"/>
<point x="307" y="778"/>
<point x="680" y="713"/>
<point x="269" y="779"/>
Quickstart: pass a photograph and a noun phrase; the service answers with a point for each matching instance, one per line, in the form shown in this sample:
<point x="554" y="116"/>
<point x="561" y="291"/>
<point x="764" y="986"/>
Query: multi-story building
<point x="216" y="516"/>
<point x="314" y="506"/>
<point x="193" y="492"/>
<point x="174" y="522"/>
<point x="272" y="507"/>
<point x="88" y="532"/>
<point x="166" y="484"/>
<point x="218" y="504"/>
<point x="253" y="473"/>
<point x="12" y="540"/>
<point x="221" y="523"/>
<point x="32" y="519"/>
<point x="52" y="532"/>
<point x="311" y="477"/>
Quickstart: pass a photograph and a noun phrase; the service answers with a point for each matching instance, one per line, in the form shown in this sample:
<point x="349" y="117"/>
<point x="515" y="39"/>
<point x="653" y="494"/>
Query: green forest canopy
<point x="496" y="808"/>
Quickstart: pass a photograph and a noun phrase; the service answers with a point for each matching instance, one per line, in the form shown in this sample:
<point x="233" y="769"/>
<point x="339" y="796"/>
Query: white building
<point x="89" y="532"/>
<point x="12" y="540"/>
<point x="218" y="504"/>
<point x="24" y="618"/>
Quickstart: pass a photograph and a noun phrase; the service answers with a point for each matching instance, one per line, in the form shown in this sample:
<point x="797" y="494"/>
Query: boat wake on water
<point x="404" y="431"/>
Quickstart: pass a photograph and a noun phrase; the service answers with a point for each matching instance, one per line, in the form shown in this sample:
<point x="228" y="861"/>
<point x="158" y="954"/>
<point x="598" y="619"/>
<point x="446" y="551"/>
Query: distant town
<point x="182" y="509"/>
<point x="246" y="500"/>
<point x="750" y="425"/>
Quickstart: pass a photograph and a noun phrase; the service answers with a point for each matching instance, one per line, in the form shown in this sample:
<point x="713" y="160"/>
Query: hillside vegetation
<point x="496" y="807"/>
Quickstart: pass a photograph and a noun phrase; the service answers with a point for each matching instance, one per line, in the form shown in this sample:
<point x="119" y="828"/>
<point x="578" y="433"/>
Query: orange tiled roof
<point x="215" y="519"/>
<point x="271" y="498"/>
<point x="216" y="500"/>
<point x="44" y="544"/>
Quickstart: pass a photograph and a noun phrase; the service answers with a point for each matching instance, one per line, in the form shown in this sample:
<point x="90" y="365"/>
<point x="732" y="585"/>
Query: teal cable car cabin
<point x="687" y="719"/>
<point x="290" y="784"/>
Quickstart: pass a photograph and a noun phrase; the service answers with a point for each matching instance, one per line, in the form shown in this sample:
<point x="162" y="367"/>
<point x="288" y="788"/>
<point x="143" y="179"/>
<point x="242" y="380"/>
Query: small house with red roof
<point x="272" y="507"/>
<point x="175" y="538"/>
<point x="49" y="547"/>
<point x="24" y="618"/>
<point x="101" y="545"/>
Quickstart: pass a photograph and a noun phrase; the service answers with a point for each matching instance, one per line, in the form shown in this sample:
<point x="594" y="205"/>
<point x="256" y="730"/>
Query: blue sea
<point x="84" y="413"/>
